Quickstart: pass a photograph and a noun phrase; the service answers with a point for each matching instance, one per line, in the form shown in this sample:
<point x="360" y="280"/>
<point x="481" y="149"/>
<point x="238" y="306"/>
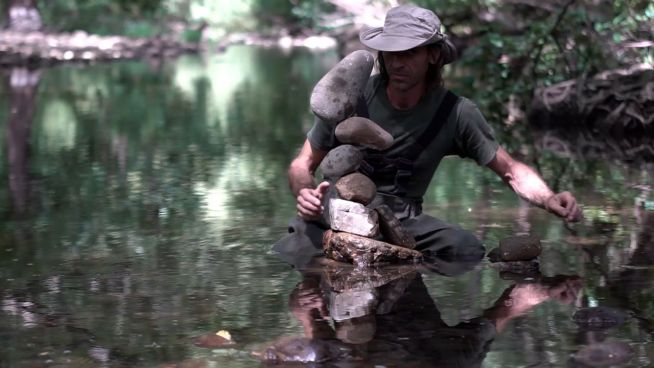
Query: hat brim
<point x="376" y="39"/>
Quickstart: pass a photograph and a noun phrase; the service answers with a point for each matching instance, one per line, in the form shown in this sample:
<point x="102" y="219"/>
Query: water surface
<point x="140" y="200"/>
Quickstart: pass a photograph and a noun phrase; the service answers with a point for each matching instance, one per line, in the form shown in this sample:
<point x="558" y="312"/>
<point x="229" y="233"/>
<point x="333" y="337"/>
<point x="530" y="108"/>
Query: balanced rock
<point x="392" y="230"/>
<point x="356" y="187"/>
<point x="341" y="161"/>
<point x="353" y="218"/>
<point x="335" y="96"/>
<point x="363" y="132"/>
<point x="365" y="252"/>
<point x="518" y="248"/>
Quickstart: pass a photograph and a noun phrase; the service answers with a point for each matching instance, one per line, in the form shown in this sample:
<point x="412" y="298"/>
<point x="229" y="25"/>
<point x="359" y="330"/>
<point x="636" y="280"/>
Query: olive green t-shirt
<point x="465" y="133"/>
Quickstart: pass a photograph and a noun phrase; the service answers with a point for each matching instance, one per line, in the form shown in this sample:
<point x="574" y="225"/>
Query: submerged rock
<point x="599" y="318"/>
<point x="356" y="187"/>
<point x="604" y="354"/>
<point x="364" y="132"/>
<point x="341" y="161"/>
<point x="335" y="96"/>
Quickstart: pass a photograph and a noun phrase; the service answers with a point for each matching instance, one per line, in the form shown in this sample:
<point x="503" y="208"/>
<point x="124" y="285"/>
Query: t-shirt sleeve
<point x="321" y="135"/>
<point x="475" y="138"/>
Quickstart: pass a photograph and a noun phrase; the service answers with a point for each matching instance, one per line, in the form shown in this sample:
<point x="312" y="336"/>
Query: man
<point x="407" y="100"/>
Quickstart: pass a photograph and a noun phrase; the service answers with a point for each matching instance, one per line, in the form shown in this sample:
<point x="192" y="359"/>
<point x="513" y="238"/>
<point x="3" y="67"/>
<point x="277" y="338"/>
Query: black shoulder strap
<point x="362" y="107"/>
<point x="437" y="123"/>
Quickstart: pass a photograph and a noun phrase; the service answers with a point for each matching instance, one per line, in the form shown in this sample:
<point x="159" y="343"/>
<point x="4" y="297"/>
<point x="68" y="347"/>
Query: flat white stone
<point x="354" y="218"/>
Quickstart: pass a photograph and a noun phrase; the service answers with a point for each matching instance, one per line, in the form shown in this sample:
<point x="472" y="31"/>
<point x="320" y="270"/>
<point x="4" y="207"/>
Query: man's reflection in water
<point x="394" y="321"/>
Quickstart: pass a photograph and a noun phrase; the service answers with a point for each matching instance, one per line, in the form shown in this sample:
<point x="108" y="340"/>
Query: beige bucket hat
<point x="406" y="27"/>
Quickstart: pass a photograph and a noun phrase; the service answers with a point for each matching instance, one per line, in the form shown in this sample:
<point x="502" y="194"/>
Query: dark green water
<point x="139" y="203"/>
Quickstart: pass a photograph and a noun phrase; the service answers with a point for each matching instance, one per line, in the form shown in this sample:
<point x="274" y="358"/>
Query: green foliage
<point x="101" y="16"/>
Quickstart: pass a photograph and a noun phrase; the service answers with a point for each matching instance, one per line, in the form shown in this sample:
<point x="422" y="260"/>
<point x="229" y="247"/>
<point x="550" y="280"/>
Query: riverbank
<point x="39" y="48"/>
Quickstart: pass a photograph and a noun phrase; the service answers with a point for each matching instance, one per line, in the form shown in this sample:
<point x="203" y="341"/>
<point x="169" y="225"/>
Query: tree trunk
<point x="24" y="16"/>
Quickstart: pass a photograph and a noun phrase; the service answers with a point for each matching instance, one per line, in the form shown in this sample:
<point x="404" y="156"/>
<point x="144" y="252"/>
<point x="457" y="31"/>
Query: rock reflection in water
<point x="604" y="354"/>
<point x="599" y="318"/>
<point x="385" y="316"/>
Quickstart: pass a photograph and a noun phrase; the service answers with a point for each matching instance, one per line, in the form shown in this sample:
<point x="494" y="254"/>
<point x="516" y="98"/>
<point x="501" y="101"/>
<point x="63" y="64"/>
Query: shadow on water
<point x="140" y="203"/>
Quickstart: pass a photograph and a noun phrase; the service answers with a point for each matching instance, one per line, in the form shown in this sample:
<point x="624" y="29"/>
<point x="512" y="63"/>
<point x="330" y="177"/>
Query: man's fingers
<point x="554" y="205"/>
<point x="321" y="189"/>
<point x="574" y="214"/>
<point x="309" y="196"/>
<point x="309" y="203"/>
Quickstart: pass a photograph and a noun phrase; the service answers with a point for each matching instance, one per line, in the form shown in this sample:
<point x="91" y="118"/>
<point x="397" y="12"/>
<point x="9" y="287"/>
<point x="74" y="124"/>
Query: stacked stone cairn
<point x="356" y="228"/>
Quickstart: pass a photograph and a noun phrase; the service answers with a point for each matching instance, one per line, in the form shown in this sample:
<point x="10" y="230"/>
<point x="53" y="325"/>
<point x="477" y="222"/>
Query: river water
<point x="140" y="201"/>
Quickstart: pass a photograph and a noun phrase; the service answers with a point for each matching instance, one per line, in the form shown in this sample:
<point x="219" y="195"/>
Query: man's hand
<point x="565" y="206"/>
<point x="309" y="201"/>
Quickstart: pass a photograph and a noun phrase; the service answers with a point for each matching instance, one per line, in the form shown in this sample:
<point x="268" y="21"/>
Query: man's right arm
<point x="301" y="180"/>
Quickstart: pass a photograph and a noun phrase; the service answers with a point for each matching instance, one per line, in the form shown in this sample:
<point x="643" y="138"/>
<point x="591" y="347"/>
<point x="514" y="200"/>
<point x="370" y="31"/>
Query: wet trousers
<point x="438" y="241"/>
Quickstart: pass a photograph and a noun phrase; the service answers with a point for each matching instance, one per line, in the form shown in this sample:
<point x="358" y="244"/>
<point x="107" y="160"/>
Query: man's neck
<point x="403" y="98"/>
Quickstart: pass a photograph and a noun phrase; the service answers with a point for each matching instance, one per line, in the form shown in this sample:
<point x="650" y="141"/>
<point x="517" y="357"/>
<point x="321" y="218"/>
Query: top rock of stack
<point x="335" y="96"/>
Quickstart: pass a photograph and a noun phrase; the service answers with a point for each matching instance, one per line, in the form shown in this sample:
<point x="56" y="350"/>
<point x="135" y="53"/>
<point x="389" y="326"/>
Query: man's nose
<point x="395" y="62"/>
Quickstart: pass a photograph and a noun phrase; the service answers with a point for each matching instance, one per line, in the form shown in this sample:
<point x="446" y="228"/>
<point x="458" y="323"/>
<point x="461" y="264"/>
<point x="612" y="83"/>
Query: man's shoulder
<point x="373" y="82"/>
<point x="465" y="108"/>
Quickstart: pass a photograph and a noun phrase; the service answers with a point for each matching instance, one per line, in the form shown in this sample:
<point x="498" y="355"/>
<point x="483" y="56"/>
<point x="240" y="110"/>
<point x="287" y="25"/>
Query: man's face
<point x="407" y="69"/>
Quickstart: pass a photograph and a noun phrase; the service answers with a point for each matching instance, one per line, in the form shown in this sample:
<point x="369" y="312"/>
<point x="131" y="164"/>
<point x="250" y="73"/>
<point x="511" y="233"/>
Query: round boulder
<point x="363" y="132"/>
<point x="341" y="161"/>
<point x="356" y="187"/>
<point x="335" y="96"/>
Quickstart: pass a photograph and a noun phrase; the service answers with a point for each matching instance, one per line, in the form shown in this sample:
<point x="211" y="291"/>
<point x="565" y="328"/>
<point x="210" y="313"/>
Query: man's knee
<point x="452" y="243"/>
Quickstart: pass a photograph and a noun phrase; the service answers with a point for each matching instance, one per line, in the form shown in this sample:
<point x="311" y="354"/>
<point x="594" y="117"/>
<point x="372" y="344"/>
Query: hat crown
<point x="407" y="27"/>
<point x="411" y="21"/>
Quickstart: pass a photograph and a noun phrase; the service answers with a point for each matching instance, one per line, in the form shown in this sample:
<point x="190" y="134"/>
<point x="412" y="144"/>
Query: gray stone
<point x="353" y="218"/>
<point x="341" y="161"/>
<point x="392" y="229"/>
<point x="356" y="187"/>
<point x="363" y="132"/>
<point x="334" y="97"/>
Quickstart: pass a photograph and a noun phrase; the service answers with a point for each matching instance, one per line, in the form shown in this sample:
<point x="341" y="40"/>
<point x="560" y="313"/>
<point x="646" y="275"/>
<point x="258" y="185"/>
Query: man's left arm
<point x="526" y="182"/>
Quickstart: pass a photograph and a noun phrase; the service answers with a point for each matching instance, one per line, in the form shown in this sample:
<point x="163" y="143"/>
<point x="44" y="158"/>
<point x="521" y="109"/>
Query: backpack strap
<point x="400" y="169"/>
